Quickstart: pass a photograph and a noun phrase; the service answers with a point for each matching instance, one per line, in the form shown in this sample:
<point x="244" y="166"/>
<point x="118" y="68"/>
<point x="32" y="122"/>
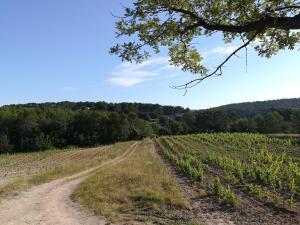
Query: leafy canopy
<point x="269" y="25"/>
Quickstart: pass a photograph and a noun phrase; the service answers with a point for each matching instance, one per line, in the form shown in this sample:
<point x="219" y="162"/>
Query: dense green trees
<point x="4" y="144"/>
<point x="39" y="127"/>
<point x="212" y="121"/>
<point x="33" y="127"/>
<point x="296" y="119"/>
<point x="273" y="122"/>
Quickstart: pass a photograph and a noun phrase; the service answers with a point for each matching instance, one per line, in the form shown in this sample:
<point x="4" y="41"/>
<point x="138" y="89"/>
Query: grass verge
<point x="140" y="185"/>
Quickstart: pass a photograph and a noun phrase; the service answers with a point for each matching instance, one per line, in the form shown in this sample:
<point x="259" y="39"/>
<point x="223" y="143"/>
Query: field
<point x="240" y="171"/>
<point x="23" y="170"/>
<point x="189" y="179"/>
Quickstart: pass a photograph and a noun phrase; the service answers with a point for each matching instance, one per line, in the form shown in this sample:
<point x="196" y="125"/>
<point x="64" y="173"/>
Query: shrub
<point x="217" y="187"/>
<point x="226" y="195"/>
<point x="229" y="197"/>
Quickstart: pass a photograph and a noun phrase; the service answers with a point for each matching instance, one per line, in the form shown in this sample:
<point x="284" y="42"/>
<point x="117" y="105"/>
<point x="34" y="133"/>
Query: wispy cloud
<point x="223" y="50"/>
<point x="130" y="74"/>
<point x="70" y="88"/>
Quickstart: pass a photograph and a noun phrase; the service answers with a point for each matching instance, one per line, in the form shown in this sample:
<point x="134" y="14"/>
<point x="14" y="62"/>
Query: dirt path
<point x="50" y="203"/>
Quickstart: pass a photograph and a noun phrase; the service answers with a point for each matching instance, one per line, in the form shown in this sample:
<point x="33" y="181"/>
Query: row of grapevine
<point x="254" y="162"/>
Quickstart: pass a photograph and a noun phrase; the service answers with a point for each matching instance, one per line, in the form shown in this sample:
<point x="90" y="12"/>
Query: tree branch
<point x="287" y="7"/>
<point x="217" y="71"/>
<point x="265" y="22"/>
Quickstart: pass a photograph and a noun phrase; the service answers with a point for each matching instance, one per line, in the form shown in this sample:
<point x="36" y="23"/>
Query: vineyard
<point x="224" y="178"/>
<point x="230" y="166"/>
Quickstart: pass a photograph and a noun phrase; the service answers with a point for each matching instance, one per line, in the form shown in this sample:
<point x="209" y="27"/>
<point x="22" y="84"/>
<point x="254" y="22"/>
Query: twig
<point x="218" y="71"/>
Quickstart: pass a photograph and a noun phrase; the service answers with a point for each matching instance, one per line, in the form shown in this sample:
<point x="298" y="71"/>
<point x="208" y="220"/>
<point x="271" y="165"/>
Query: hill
<point x="260" y="107"/>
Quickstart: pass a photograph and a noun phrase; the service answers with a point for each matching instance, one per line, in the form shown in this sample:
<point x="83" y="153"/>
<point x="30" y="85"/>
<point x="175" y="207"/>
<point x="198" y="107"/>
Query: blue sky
<point x="55" y="50"/>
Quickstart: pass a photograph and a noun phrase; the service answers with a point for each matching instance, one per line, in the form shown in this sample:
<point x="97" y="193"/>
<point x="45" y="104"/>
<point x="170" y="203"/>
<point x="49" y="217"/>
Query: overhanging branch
<point x="263" y="23"/>
<point x="218" y="71"/>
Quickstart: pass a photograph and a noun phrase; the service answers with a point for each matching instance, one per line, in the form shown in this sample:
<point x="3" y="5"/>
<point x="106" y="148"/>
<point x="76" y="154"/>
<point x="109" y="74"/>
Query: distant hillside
<point x="260" y="107"/>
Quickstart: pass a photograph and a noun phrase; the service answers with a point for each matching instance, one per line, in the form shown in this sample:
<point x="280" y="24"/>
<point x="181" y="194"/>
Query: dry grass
<point x="29" y="164"/>
<point x="140" y="185"/>
<point x="47" y="166"/>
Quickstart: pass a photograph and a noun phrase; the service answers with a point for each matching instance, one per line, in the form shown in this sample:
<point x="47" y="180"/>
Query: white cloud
<point x="130" y="74"/>
<point x="129" y="81"/>
<point x="222" y="50"/>
<point x="70" y="88"/>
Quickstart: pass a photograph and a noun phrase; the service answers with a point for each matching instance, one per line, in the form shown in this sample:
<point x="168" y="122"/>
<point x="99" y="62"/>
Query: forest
<point x="35" y="127"/>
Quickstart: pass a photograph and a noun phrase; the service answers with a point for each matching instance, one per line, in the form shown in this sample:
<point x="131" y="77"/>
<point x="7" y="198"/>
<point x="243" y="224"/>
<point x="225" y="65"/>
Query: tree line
<point x="35" y="127"/>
